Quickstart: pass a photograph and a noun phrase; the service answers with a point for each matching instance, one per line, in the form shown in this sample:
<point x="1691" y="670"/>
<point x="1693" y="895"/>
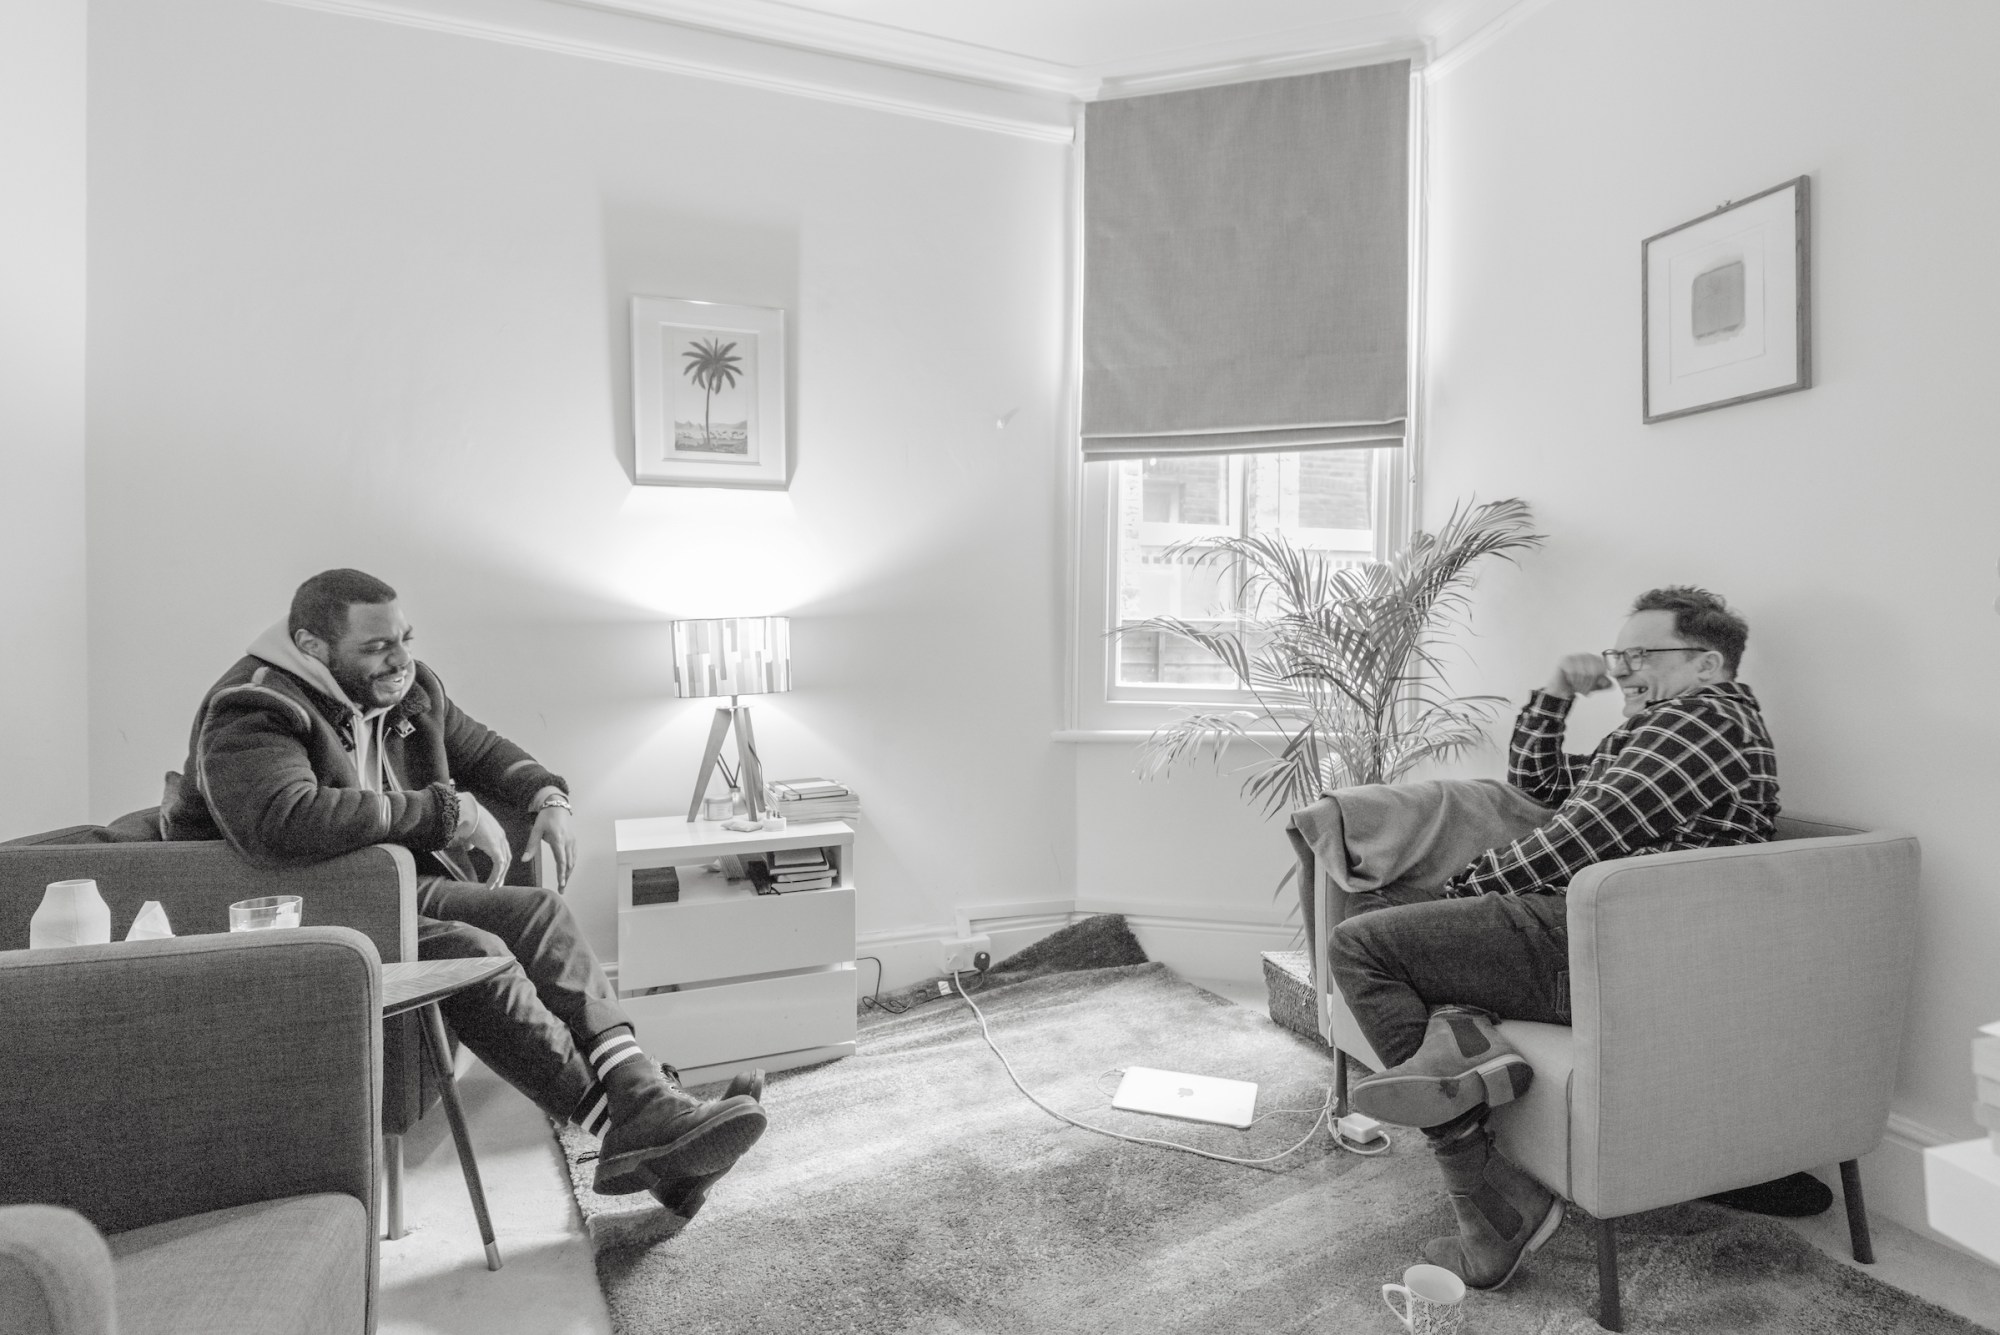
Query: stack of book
<point x="784" y="870"/>
<point x="1986" y="1071"/>
<point x="813" y="799"/>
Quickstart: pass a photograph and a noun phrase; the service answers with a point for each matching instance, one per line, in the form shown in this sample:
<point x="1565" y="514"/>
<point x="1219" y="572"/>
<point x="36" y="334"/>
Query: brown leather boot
<point x="659" y="1131"/>
<point x="1503" y="1214"/>
<point x="686" y="1195"/>
<point x="1463" y="1063"/>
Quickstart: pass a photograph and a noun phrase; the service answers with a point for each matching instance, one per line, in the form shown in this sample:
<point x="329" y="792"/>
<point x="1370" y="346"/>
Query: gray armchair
<point x="1736" y="1015"/>
<point x="191" y="1130"/>
<point x="373" y="891"/>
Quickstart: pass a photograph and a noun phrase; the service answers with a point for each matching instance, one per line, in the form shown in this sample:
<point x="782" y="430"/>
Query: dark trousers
<point x="534" y="1022"/>
<point x="1501" y="953"/>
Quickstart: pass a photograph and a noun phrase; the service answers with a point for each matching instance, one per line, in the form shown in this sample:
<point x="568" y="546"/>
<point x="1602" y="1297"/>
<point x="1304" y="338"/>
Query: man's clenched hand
<point x="1578" y="674"/>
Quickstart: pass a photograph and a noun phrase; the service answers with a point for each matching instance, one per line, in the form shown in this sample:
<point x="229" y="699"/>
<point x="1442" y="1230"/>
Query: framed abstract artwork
<point x="1726" y="304"/>
<point x="708" y="394"/>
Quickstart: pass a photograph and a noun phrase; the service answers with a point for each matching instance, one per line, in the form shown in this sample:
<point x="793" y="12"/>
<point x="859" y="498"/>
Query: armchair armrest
<point x="55" y="1273"/>
<point x="1736" y="1011"/>
<point x="373" y="890"/>
<point x="1327" y="907"/>
<point x="147" y="1081"/>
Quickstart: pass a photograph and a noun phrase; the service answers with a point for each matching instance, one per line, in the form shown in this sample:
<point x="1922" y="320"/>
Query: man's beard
<point x="359" y="686"/>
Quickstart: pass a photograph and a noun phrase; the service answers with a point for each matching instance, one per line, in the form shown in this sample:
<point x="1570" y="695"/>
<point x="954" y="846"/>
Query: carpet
<point x="910" y="1188"/>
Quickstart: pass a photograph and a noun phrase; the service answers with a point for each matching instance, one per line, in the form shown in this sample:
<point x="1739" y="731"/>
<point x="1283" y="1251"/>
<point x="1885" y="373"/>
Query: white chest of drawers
<point x="724" y="978"/>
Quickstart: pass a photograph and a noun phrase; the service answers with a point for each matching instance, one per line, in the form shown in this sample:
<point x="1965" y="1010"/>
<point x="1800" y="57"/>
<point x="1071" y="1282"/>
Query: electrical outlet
<point x="960" y="950"/>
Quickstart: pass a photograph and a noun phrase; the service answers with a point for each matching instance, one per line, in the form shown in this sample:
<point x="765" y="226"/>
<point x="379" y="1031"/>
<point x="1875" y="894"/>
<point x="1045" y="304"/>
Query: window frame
<point x="1095" y="707"/>
<point x="1099" y="704"/>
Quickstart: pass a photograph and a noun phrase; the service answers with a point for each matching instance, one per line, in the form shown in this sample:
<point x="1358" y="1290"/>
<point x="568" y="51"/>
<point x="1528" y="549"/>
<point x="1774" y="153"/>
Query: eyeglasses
<point x="1631" y="660"/>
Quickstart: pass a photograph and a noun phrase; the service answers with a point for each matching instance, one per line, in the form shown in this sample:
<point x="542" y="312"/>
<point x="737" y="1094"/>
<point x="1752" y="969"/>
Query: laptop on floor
<point x="1194" y="1098"/>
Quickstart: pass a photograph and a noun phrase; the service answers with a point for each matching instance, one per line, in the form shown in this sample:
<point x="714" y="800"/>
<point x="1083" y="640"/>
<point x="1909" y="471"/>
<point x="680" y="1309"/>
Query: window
<point x="1247" y="317"/>
<point x="1323" y="500"/>
<point x="1353" y="504"/>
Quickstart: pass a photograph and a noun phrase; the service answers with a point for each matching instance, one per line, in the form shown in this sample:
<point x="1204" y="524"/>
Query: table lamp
<point x="732" y="656"/>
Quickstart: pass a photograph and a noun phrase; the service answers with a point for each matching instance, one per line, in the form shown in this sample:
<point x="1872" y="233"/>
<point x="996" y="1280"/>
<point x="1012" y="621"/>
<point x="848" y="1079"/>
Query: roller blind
<point x="1246" y="266"/>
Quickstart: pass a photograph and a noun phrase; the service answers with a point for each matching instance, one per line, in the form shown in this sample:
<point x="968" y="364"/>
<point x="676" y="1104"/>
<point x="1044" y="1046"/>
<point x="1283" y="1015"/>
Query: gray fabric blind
<point x="1246" y="266"/>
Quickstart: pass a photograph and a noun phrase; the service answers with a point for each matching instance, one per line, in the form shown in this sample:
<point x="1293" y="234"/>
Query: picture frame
<point x="1726" y="305"/>
<point x="708" y="394"/>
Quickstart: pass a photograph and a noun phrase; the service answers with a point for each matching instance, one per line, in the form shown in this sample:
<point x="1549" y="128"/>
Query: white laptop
<point x="1197" y="1098"/>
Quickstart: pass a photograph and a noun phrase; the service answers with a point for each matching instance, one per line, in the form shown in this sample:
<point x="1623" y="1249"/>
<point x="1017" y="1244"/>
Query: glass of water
<point x="254" y="915"/>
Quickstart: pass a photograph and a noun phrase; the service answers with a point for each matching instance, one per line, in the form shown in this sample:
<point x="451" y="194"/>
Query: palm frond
<point x="1342" y="661"/>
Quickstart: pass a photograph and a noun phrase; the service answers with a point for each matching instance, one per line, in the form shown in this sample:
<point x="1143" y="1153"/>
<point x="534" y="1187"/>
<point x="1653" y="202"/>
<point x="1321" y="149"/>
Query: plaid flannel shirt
<point x="1693" y="771"/>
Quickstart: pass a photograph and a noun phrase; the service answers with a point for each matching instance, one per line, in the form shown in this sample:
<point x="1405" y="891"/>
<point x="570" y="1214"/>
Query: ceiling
<point x="1088" y="48"/>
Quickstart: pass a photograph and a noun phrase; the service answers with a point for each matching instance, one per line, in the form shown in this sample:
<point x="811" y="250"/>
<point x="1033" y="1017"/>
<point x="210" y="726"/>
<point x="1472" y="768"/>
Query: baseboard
<point x="906" y="954"/>
<point x="1211" y="941"/>
<point x="1892" y="1178"/>
<point x="912" y="954"/>
<point x="1222" y="941"/>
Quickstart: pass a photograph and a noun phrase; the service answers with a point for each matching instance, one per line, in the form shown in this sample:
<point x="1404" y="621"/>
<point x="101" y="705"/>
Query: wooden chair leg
<point x="440" y="1049"/>
<point x="392" y="1171"/>
<point x="1857" y="1212"/>
<point x="1610" y="1314"/>
<point x="1339" y="1084"/>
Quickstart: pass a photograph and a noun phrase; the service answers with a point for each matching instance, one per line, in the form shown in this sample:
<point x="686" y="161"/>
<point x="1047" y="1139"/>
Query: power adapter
<point x="1357" y="1130"/>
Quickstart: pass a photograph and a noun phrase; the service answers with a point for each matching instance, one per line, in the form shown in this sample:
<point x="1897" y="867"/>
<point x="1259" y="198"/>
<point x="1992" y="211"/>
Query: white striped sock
<point x="617" y="1048"/>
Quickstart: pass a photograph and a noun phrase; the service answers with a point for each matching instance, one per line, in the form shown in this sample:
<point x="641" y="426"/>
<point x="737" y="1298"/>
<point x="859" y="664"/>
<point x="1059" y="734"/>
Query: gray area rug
<point x="910" y="1188"/>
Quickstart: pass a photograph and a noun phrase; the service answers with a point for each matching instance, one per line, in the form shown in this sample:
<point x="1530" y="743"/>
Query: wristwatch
<point x="556" y="799"/>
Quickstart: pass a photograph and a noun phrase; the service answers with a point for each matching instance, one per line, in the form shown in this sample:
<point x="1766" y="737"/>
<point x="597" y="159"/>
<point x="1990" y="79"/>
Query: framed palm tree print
<point x="708" y="394"/>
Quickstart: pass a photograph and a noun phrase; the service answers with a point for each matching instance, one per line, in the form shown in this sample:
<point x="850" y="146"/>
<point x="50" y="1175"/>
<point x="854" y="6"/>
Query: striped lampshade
<point x="732" y="656"/>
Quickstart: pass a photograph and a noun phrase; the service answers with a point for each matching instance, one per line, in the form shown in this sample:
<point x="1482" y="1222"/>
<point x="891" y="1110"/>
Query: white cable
<point x="1325" y="1109"/>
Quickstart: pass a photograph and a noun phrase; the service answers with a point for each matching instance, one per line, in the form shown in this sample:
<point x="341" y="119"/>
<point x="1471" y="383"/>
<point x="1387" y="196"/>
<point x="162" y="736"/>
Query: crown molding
<point x="784" y="24"/>
<point x="781" y="47"/>
<point x="1248" y="69"/>
<point x="596" y="33"/>
<point x="1468" y="27"/>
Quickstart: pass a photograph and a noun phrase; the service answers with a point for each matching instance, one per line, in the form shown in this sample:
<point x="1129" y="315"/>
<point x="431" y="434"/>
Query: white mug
<point x="1433" y="1301"/>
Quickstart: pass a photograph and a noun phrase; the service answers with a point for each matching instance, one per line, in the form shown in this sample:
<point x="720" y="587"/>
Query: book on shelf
<point x="769" y="882"/>
<point x="799" y="790"/>
<point x="813" y="799"/>
<point x="797" y="859"/>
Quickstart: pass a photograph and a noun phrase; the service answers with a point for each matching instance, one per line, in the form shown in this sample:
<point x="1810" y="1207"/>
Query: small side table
<point x="421" y="985"/>
<point x="723" y="979"/>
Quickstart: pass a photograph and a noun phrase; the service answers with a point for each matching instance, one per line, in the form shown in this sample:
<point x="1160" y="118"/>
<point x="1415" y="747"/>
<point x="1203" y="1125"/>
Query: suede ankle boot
<point x="659" y="1131"/>
<point x="1503" y="1214"/>
<point x="1463" y="1063"/>
<point x="686" y="1195"/>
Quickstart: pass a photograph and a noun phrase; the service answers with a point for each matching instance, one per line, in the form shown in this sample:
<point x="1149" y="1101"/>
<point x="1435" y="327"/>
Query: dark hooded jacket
<point x="272" y="765"/>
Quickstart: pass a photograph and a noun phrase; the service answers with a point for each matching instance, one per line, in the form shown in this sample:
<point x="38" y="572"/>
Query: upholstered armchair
<point x="191" y="1135"/>
<point x="372" y="891"/>
<point x="1736" y="1015"/>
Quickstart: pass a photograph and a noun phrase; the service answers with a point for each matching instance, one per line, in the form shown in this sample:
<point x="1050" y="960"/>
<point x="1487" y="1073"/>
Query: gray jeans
<point x="1506" y="954"/>
<point x="529" y="1022"/>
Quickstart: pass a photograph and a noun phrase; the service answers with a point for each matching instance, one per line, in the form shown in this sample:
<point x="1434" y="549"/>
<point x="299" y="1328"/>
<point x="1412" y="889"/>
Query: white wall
<point x="359" y="298"/>
<point x="44" y="753"/>
<point x="1852" y="523"/>
<point x="1196" y="869"/>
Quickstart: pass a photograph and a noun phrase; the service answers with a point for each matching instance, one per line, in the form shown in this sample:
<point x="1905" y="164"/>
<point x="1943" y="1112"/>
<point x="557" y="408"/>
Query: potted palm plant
<point x="1340" y="662"/>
